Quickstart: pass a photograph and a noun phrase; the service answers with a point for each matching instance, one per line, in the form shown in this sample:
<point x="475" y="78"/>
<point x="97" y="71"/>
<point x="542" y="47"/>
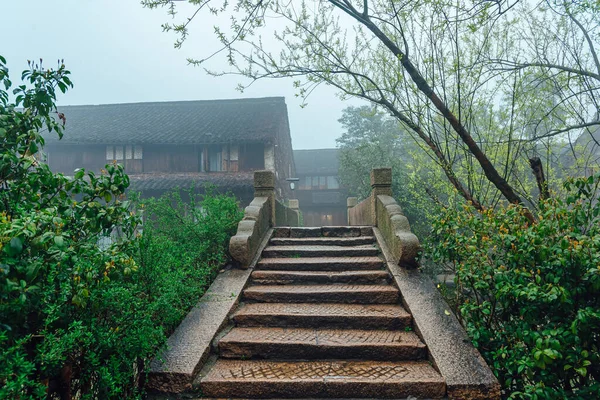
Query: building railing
<point x="381" y="210"/>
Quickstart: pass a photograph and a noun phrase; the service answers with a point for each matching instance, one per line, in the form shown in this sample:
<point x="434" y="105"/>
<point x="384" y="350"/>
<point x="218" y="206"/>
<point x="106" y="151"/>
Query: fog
<point x="117" y="53"/>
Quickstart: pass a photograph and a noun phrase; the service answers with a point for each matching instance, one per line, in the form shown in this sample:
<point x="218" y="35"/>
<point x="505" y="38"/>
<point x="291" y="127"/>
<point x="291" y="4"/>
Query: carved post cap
<point x="294" y="204"/>
<point x="264" y="180"/>
<point x="381" y="177"/>
<point x="351" y="201"/>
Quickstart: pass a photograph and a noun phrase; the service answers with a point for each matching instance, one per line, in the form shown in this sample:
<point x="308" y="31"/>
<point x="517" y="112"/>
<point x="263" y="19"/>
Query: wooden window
<point x="322" y="182"/>
<point x="215" y="158"/>
<point x="128" y="152"/>
<point x="118" y="153"/>
<point x="332" y="182"/>
<point x="110" y="153"/>
<point x="137" y="152"/>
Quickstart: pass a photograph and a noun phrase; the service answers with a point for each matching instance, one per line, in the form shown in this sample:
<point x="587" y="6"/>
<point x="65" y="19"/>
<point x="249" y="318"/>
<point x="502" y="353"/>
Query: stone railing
<point x="381" y="210"/>
<point x="263" y="213"/>
<point x="287" y="216"/>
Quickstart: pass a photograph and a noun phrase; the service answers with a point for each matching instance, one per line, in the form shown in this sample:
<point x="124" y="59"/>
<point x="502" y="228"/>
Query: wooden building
<point x="322" y="200"/>
<point x="165" y="145"/>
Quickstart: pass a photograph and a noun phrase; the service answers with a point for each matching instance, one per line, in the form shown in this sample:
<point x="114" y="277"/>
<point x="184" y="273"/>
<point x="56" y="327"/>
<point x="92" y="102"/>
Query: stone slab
<point x="320" y="251"/>
<point x="325" y="315"/>
<point x="305" y="232"/>
<point x="361" y="294"/>
<point x="329" y="379"/>
<point x="321" y="264"/>
<point x="289" y="277"/>
<point x="187" y="348"/>
<point x="335" y="241"/>
<point x="281" y="232"/>
<point x="466" y="373"/>
<point x="310" y="344"/>
<point x="340" y="231"/>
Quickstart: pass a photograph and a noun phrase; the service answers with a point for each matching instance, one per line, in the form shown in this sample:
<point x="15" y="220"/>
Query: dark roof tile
<point x="166" y="181"/>
<point x="178" y="122"/>
<point x="318" y="161"/>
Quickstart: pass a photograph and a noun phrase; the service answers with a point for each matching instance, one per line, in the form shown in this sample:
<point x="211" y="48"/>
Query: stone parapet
<point x="381" y="210"/>
<point x="361" y="214"/>
<point x="395" y="229"/>
<point x="466" y="373"/>
<point x="251" y="230"/>
<point x="286" y="216"/>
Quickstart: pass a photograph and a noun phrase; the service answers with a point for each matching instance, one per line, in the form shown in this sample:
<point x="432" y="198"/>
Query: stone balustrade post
<point x="264" y="186"/>
<point x="381" y="184"/>
<point x="351" y="202"/>
<point x="294" y="204"/>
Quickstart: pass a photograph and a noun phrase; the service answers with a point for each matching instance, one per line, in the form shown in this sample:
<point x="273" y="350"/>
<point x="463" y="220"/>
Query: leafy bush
<point x="78" y="319"/>
<point x="529" y="294"/>
<point x="184" y="244"/>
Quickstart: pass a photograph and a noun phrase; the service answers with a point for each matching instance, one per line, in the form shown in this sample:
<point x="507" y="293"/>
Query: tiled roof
<point x="319" y="161"/>
<point x="165" y="181"/>
<point x="178" y="122"/>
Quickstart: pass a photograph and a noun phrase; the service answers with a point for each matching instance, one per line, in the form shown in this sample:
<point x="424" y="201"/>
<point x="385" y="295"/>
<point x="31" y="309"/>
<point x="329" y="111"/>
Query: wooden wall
<point x="157" y="158"/>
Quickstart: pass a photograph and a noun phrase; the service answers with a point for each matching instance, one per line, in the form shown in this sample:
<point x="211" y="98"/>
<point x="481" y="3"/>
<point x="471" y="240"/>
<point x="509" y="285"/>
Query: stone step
<point x="320" y="241"/>
<point x="289" y="277"/>
<point x="363" y="294"/>
<point x="320" y="251"/>
<point x="325" y="379"/>
<point x="305" y="344"/>
<point x="321" y="264"/>
<point x="325" y="315"/>
<point x="329" y="231"/>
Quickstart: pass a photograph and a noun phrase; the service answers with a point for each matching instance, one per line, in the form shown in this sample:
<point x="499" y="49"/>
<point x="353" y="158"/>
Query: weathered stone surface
<point x="362" y="214"/>
<point x="394" y="226"/>
<point x="466" y="373"/>
<point x="294" y="204"/>
<point x="264" y="179"/>
<point x="287" y="277"/>
<point x="363" y="294"/>
<point x="284" y="343"/>
<point x="251" y="231"/>
<point x="315" y="315"/>
<point x="340" y="231"/>
<point x="175" y="367"/>
<point x="281" y="232"/>
<point x="381" y="177"/>
<point x="351" y="201"/>
<point x="305" y="232"/>
<point x="323" y="241"/>
<point x="321" y="264"/>
<point x="366" y="231"/>
<point x="330" y="379"/>
<point x="320" y="251"/>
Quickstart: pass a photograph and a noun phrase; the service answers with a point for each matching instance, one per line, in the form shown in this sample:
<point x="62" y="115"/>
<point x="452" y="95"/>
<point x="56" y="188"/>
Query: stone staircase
<point x="321" y="319"/>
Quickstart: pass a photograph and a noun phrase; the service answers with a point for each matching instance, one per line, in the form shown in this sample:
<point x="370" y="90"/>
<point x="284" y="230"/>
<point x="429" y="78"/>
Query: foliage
<point x="467" y="80"/>
<point x="529" y="294"/>
<point x="187" y="236"/>
<point x="372" y="140"/>
<point x="82" y="306"/>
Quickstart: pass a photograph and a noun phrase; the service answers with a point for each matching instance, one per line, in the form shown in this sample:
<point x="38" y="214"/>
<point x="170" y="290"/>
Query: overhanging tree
<point x="433" y="65"/>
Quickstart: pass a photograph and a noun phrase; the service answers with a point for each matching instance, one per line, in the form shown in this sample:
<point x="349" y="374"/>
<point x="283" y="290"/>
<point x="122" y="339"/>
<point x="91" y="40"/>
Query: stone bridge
<point x="331" y="312"/>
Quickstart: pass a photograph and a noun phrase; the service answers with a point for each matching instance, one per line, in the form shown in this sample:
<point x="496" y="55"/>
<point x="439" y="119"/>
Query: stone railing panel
<point x="360" y="214"/>
<point x="251" y="229"/>
<point x="286" y="216"/>
<point x="395" y="228"/>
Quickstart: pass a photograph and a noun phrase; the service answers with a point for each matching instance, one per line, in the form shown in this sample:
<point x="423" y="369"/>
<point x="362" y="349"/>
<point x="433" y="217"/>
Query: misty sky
<point x="117" y="53"/>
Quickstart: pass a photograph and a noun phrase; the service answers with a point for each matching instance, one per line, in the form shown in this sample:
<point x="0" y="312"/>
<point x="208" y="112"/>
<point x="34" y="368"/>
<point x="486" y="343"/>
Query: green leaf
<point x="59" y="242"/>
<point x="16" y="246"/>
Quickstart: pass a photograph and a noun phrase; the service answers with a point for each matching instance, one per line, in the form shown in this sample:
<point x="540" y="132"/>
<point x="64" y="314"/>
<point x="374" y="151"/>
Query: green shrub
<point x="529" y="294"/>
<point x="80" y="320"/>
<point x="183" y="246"/>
